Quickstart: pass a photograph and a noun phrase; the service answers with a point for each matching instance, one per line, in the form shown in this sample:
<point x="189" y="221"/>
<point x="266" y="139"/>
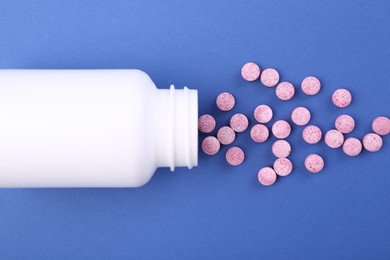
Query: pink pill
<point x="263" y="114"/>
<point x="372" y="142"/>
<point x="269" y="77"/>
<point x="334" y="138"/>
<point x="311" y="86"/>
<point x="281" y="149"/>
<point x="312" y="134"/>
<point x="239" y="123"/>
<point x="225" y="101"/>
<point x="259" y="133"/>
<point x="235" y="156"/>
<point x="283" y="166"/>
<point x="285" y="90"/>
<point x="314" y="163"/>
<point x="352" y="146"/>
<point x="266" y="176"/>
<point x="381" y="125"/>
<point x="345" y="124"/>
<point x="300" y="116"/>
<point x="250" y="71"/>
<point x="281" y="129"/>
<point x="226" y="135"/>
<point x="341" y="97"/>
<point x="210" y="145"/>
<point x="206" y="123"/>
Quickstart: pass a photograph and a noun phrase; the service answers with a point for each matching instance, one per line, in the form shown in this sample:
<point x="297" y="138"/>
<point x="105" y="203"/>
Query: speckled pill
<point x="281" y="129"/>
<point x="283" y="166"/>
<point x="225" y="101"/>
<point x="263" y="114"/>
<point x="250" y="71"/>
<point x="314" y="163"/>
<point x="381" y="125"/>
<point x="226" y="135"/>
<point x="312" y="134"/>
<point x="210" y="145"/>
<point x="352" y="146"/>
<point x="300" y="116"/>
<point x="206" y="123"/>
<point x="341" y="98"/>
<point x="269" y="77"/>
<point x="334" y="138"/>
<point x="281" y="148"/>
<point x="310" y="86"/>
<point x="285" y="91"/>
<point x="266" y="176"/>
<point x="372" y="142"/>
<point x="259" y="133"/>
<point x="345" y="124"/>
<point x="239" y="123"/>
<point x="235" y="156"/>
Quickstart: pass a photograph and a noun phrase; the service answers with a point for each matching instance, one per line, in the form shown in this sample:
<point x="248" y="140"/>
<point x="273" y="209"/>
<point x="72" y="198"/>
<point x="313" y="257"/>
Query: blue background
<point x="215" y="211"/>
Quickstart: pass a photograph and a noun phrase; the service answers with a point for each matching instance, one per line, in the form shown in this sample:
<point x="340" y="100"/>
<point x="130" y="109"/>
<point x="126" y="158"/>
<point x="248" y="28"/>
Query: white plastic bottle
<point x="92" y="128"/>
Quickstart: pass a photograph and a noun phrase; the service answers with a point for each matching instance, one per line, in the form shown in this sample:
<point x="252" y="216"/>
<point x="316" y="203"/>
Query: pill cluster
<point x="281" y="129"/>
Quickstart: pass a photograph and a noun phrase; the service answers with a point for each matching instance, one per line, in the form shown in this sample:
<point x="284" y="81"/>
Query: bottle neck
<point x="176" y="133"/>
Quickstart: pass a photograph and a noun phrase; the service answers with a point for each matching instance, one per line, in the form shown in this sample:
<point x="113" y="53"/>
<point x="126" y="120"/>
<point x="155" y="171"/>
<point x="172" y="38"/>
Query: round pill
<point x="345" y="124"/>
<point x="235" y="156"/>
<point x="281" y="129"/>
<point x="312" y="134"/>
<point x="352" y="146"/>
<point x="372" y="142"/>
<point x="266" y="176"/>
<point x="239" y="123"/>
<point x="281" y="148"/>
<point x="206" y="123"/>
<point x="314" y="163"/>
<point x="341" y="97"/>
<point x="285" y="90"/>
<point x="263" y="114"/>
<point x="334" y="138"/>
<point x="250" y="71"/>
<point x="283" y="166"/>
<point x="259" y="133"/>
<point x="269" y="77"/>
<point x="381" y="125"/>
<point x="225" y="101"/>
<point x="311" y="86"/>
<point x="226" y="135"/>
<point x="210" y="145"/>
<point x="300" y="116"/>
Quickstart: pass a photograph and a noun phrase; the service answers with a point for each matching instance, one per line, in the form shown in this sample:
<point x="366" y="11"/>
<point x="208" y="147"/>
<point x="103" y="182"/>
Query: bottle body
<point x="80" y="128"/>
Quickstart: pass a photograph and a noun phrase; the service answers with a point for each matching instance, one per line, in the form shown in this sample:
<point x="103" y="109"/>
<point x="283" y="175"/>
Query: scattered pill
<point x="345" y="124"/>
<point x="283" y="166"/>
<point x="226" y="135"/>
<point x="210" y="145"/>
<point x="259" y="133"/>
<point x="352" y="146"/>
<point x="334" y="138"/>
<point x="281" y="148"/>
<point x="250" y="71"/>
<point x="381" y="125"/>
<point x="314" y="163"/>
<point x="311" y="86"/>
<point x="285" y="90"/>
<point x="239" y="123"/>
<point x="266" y="176"/>
<point x="312" y="134"/>
<point x="281" y="129"/>
<point x="300" y="116"/>
<point x="225" y="101"/>
<point x="206" y="123"/>
<point x="341" y="97"/>
<point x="235" y="156"/>
<point x="372" y="142"/>
<point x="269" y="77"/>
<point x="263" y="114"/>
